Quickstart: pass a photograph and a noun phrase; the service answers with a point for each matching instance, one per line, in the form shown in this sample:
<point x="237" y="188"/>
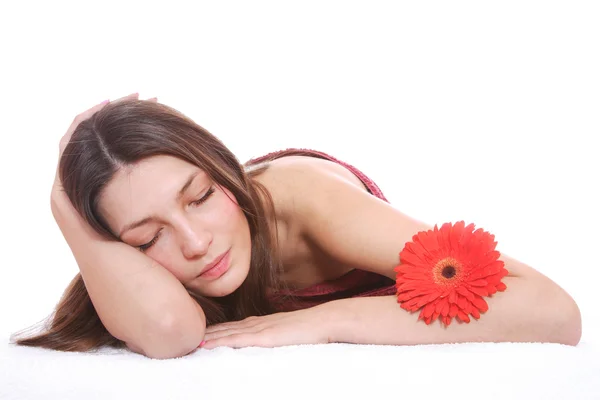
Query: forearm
<point x="137" y="300"/>
<point x="525" y="312"/>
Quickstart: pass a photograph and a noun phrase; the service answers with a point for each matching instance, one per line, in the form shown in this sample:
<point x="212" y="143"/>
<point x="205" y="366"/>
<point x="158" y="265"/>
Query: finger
<point x="238" y="341"/>
<point x="153" y="99"/>
<point x="88" y="113"/>
<point x="128" y="97"/>
<point x="220" y="327"/>
<point x="221" y="334"/>
<point x="246" y="323"/>
<point x="232" y="331"/>
<point x="212" y="328"/>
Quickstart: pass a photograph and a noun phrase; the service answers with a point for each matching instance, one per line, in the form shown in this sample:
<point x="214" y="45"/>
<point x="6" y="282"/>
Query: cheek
<point x="227" y="215"/>
<point x="225" y="220"/>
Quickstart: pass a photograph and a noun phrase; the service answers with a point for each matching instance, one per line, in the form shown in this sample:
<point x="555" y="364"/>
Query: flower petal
<point x="480" y="275"/>
<point x="488" y="270"/>
<point x="404" y="268"/>
<point x="419" y="301"/>
<point x="465" y="292"/>
<point x="491" y="289"/>
<point x="409" y="294"/>
<point x="417" y="275"/>
<point x="479" y="283"/>
<point x="403" y="286"/>
<point x="466" y="235"/>
<point x="416" y="247"/>
<point x="464" y="317"/>
<point x="468" y="307"/>
<point x="496" y="278"/>
<point x="452" y="297"/>
<point x="455" y="234"/>
<point x="429" y="309"/>
<point x="480" y="303"/>
<point x="445" y="309"/>
<point x="440" y="305"/>
<point x="490" y="257"/>
<point x="453" y="310"/>
<point x="411" y="258"/>
<point x="479" y="291"/>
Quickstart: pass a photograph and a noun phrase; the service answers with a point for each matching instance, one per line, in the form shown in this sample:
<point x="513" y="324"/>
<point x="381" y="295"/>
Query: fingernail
<point x="202" y="343"/>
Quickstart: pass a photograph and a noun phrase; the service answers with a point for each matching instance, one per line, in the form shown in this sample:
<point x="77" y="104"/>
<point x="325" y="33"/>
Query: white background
<point x="458" y="110"/>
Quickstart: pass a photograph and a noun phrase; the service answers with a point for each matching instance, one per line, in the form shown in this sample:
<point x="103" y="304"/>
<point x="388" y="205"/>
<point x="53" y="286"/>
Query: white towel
<point x="327" y="371"/>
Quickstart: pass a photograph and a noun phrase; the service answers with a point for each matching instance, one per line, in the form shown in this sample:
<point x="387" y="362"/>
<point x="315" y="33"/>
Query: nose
<point x="195" y="242"/>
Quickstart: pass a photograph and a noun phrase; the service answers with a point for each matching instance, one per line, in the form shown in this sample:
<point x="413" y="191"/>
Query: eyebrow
<point x="145" y="220"/>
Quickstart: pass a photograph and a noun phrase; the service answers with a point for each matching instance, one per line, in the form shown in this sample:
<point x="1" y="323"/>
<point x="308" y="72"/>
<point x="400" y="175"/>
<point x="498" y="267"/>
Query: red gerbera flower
<point x="447" y="271"/>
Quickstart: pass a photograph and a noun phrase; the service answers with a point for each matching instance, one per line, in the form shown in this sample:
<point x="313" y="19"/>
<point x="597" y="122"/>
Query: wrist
<point x="71" y="223"/>
<point x="334" y="321"/>
<point x="60" y="203"/>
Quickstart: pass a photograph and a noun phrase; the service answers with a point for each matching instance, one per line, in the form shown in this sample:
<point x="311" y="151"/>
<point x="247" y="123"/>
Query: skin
<point x="341" y="222"/>
<point x="327" y="225"/>
<point x="189" y="235"/>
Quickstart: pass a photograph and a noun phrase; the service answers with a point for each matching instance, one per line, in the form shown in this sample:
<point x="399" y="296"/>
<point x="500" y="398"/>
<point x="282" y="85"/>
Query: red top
<point x="356" y="283"/>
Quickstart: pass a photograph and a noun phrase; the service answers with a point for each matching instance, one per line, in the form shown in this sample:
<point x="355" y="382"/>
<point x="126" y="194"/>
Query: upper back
<point x="303" y="262"/>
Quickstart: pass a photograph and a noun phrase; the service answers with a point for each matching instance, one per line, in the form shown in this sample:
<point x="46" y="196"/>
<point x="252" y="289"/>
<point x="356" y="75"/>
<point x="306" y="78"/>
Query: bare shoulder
<point x="296" y="167"/>
<point x="350" y="225"/>
<point x="292" y="179"/>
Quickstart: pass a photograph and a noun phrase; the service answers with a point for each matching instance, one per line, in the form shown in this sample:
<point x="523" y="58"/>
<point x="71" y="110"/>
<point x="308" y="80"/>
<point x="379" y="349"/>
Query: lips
<point x="212" y="264"/>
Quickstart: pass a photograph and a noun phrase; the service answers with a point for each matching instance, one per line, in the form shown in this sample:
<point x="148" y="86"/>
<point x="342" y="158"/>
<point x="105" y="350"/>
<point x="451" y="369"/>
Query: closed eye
<point x="205" y="197"/>
<point x="146" y="246"/>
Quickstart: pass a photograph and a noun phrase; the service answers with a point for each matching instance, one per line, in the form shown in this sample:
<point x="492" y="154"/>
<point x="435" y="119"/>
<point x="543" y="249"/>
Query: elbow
<point x="564" y="320"/>
<point x="571" y="330"/>
<point x="176" y="338"/>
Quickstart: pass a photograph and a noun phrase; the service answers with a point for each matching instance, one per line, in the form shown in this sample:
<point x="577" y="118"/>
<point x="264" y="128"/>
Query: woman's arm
<point x="535" y="311"/>
<point x="137" y="300"/>
<point x="528" y="314"/>
<point x="364" y="232"/>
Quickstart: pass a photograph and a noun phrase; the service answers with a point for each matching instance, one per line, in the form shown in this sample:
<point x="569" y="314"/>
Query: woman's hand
<point x="308" y="326"/>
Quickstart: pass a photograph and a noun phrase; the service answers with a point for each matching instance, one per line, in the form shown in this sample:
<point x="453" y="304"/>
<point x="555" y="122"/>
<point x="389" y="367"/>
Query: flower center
<point x="448" y="272"/>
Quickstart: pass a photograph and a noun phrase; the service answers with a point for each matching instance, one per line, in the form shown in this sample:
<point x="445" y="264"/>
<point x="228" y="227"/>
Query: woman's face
<point x="174" y="213"/>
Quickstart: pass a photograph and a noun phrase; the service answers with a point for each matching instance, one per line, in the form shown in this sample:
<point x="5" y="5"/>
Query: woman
<point x="179" y="245"/>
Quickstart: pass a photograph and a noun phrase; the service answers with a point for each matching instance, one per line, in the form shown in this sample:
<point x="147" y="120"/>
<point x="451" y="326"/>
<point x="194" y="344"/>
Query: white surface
<point x="335" y="371"/>
<point x="470" y="111"/>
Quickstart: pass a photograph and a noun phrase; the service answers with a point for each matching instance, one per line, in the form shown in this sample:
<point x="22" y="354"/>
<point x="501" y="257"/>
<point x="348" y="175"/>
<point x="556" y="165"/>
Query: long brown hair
<point x="122" y="134"/>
